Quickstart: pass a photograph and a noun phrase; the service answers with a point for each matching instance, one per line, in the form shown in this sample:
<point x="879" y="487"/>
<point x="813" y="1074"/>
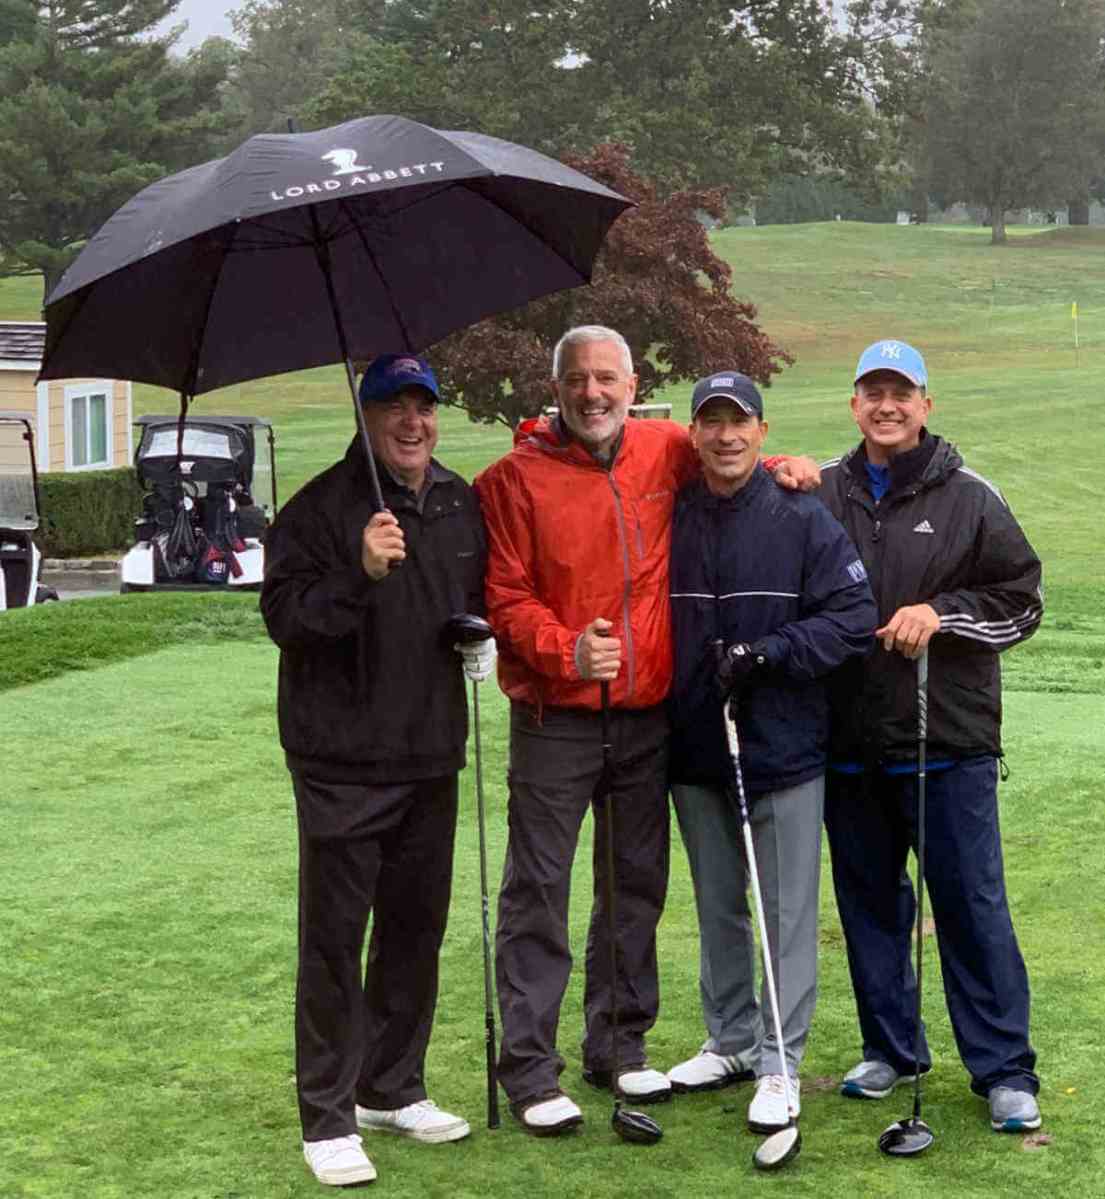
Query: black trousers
<point x="553" y="768"/>
<point x="384" y="849"/>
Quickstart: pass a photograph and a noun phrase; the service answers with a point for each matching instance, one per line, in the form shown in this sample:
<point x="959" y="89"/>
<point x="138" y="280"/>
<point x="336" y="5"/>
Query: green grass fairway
<point x="149" y="872"/>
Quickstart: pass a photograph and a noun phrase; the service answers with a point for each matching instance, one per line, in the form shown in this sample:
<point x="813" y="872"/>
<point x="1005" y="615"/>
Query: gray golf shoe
<point x="1013" y="1111"/>
<point x="872" y="1080"/>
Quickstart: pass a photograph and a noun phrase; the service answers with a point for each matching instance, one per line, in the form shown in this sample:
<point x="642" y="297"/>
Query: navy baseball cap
<point x="728" y="385"/>
<point x="894" y="356"/>
<point x="390" y="373"/>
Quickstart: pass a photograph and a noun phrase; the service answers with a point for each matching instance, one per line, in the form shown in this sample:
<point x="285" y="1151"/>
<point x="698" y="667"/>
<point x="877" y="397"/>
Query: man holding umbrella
<point x="578" y="519"/>
<point x="373" y="721"/>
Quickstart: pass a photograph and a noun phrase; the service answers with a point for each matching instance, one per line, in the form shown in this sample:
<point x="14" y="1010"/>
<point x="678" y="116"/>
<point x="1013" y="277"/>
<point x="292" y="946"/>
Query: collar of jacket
<point x="550" y="435"/>
<point x="757" y="481"/>
<point x="354" y="456"/>
<point x="930" y="460"/>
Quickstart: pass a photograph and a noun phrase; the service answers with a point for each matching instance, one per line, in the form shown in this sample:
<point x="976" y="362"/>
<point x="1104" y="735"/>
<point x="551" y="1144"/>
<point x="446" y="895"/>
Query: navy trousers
<point x="872" y="824"/>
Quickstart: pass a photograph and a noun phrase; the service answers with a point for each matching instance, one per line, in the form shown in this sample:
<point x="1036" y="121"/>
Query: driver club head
<point x="464" y="628"/>
<point x="778" y="1149"/>
<point x="906" y="1138"/>
<point x="635" y="1127"/>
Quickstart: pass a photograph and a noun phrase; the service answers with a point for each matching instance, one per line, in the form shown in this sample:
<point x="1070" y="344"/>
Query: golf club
<point x="908" y="1137"/>
<point x="634" y="1127"/>
<point x="465" y="629"/>
<point x="782" y="1146"/>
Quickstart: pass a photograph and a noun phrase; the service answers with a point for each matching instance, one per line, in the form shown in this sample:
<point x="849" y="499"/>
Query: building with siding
<point x="79" y="424"/>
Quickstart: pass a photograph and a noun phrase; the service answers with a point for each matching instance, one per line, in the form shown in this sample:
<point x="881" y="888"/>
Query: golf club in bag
<point x="634" y="1127"/>
<point x="911" y="1136"/>
<point x="782" y="1146"/>
<point x="465" y="629"/>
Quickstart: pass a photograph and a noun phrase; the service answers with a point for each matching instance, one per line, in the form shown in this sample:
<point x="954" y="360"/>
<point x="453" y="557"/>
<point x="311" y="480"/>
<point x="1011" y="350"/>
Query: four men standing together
<point x="589" y="581"/>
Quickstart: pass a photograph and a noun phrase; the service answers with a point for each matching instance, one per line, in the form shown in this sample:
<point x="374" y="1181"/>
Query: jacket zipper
<point x="630" y="681"/>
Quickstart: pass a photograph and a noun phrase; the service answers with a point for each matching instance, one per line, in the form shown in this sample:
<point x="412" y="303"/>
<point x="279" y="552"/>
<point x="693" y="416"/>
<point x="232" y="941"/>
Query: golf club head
<point x="463" y="628"/>
<point x="778" y="1149"/>
<point x="906" y="1138"/>
<point x="635" y="1127"/>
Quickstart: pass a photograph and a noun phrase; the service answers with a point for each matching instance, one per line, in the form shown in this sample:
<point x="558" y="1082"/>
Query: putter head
<point x="906" y="1138"/>
<point x="464" y="628"/>
<point x="778" y="1149"/>
<point x="635" y="1127"/>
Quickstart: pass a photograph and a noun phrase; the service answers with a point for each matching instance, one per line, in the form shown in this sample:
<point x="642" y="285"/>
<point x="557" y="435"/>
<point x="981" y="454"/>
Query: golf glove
<point x="738" y="670"/>
<point x="478" y="659"/>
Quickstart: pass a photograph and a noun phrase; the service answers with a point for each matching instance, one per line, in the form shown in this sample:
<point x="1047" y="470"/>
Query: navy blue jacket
<point x="774" y="568"/>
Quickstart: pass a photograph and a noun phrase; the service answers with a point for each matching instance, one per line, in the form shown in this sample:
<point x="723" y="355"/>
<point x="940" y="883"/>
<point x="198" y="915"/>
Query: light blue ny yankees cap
<point x="890" y="355"/>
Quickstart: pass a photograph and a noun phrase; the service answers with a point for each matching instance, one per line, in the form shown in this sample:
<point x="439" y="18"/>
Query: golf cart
<point x="19" y="556"/>
<point x="210" y="495"/>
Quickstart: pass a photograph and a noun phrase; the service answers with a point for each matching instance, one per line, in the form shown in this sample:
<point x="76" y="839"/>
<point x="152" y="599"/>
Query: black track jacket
<point x="941" y="535"/>
<point x="369" y="690"/>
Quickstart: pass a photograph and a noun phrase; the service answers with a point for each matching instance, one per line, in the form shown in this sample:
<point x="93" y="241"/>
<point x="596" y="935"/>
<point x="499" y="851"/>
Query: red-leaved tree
<point x="656" y="281"/>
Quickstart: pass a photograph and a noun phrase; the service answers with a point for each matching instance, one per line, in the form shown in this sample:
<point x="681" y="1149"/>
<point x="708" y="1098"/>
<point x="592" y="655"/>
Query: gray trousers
<point x="554" y="764"/>
<point x="786" y="834"/>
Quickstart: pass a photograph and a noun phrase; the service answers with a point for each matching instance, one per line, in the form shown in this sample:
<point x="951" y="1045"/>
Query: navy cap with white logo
<point x="891" y="355"/>
<point x="390" y="373"/>
<point x="728" y="385"/>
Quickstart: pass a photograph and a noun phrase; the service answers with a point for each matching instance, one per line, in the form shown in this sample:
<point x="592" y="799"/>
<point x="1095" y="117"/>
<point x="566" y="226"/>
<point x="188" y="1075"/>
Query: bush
<point x="88" y="512"/>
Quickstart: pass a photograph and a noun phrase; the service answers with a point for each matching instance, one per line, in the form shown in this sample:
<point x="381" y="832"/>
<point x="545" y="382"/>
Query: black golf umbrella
<point x="301" y="249"/>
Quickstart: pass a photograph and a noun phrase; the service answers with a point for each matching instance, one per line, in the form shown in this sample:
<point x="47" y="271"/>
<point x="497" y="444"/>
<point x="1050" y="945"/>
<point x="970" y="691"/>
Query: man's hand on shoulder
<point x="910" y="630"/>
<point x="598" y="655"/>
<point x="382" y="546"/>
<point x="797" y="474"/>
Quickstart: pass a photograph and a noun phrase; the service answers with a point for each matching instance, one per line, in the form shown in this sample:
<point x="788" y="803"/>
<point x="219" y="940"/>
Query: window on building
<point x="89" y="418"/>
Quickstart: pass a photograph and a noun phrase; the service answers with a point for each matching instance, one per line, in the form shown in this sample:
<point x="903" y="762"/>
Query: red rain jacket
<point x="570" y="541"/>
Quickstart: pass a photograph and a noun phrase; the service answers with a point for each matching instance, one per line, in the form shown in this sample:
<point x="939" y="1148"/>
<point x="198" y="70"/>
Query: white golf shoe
<point x="548" y="1115"/>
<point x="339" y="1161"/>
<point x="422" y="1121"/>
<point x="708" y="1071"/>
<point x="768" y="1110"/>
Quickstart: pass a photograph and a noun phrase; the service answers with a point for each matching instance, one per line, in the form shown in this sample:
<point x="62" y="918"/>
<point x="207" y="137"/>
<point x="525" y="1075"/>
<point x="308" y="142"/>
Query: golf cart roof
<point x="203" y="419"/>
<point x="18" y="482"/>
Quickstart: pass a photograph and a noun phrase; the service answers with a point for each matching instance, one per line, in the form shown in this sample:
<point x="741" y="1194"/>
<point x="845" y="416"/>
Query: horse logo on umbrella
<point x="345" y="161"/>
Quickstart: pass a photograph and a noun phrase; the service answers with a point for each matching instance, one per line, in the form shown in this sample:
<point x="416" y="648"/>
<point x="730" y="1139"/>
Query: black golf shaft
<point x="488" y="996"/>
<point x="611" y="894"/>
<point x="922" y="745"/>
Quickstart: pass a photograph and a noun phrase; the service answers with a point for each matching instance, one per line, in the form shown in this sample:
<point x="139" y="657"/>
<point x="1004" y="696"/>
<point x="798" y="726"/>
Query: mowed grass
<point x="149" y="876"/>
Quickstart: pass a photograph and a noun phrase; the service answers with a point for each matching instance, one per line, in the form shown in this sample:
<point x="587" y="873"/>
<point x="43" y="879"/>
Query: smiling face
<point x="403" y="430"/>
<point x="594" y="392"/>
<point x="728" y="442"/>
<point x="891" y="412"/>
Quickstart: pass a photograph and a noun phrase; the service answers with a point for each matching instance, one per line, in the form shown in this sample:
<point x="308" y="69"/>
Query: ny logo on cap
<point x="891" y="349"/>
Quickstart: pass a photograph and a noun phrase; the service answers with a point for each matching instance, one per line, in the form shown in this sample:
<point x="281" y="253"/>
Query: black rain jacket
<point x="771" y="567"/>
<point x="369" y="690"/>
<point x="941" y="535"/>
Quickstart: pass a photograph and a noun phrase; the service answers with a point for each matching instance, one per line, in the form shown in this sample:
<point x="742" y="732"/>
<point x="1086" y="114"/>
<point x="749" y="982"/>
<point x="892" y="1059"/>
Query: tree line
<point x="693" y="107"/>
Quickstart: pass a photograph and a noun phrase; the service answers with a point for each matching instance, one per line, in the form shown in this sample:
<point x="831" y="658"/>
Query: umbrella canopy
<point x="302" y="249"/>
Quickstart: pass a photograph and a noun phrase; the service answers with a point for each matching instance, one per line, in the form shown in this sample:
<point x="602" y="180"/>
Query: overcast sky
<point x="206" y="18"/>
